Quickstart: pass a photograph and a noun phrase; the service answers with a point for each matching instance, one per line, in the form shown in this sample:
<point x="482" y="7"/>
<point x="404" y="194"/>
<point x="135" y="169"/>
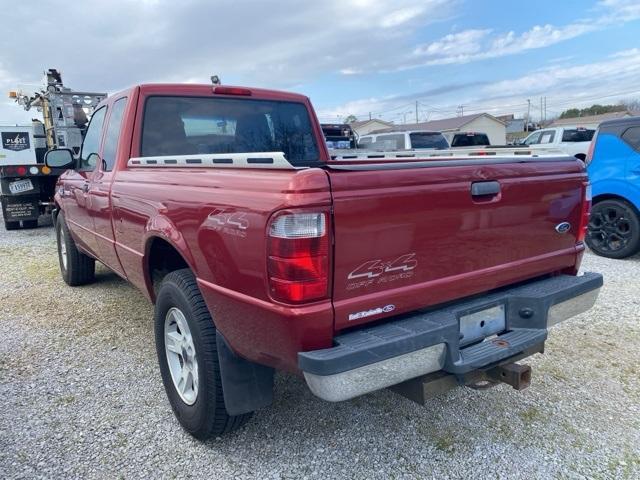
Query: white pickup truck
<point x="572" y="141"/>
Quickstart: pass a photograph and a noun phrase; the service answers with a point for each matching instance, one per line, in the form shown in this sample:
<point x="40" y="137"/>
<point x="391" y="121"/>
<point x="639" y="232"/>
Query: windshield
<point x="470" y="140"/>
<point x="532" y="139"/>
<point x="193" y="125"/>
<point x="428" y="140"/>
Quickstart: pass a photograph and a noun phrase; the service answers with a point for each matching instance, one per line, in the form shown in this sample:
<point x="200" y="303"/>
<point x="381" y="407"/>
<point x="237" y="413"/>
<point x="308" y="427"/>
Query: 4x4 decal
<point x="231" y="223"/>
<point x="381" y="271"/>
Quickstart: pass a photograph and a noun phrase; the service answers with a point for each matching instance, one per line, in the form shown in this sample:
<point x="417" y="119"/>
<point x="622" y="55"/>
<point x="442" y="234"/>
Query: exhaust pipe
<point x="514" y="374"/>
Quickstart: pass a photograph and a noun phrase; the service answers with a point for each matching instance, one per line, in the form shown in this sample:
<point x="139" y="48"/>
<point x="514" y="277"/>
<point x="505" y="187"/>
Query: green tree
<point x="595" y="109"/>
<point x="351" y="119"/>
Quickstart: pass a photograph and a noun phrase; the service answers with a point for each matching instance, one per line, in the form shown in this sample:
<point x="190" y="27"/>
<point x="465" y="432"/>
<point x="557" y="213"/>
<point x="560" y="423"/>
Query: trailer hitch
<point x="514" y="374"/>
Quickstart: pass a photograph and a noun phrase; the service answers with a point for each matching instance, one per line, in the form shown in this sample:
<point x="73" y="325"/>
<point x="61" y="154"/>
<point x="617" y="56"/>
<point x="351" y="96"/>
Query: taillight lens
<point x="584" y="214"/>
<point x="298" y="256"/>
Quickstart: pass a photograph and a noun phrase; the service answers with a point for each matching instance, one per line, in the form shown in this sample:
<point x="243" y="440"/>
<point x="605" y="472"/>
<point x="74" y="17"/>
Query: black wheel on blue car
<point x="188" y="358"/>
<point x="614" y="229"/>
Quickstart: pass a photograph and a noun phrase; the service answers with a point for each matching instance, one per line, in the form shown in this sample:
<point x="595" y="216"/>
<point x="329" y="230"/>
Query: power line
<point x="547" y="106"/>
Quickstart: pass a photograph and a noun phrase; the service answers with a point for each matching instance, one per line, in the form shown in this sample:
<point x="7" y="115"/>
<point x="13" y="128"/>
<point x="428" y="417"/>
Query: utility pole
<point x="417" y="120"/>
<point x="526" y="127"/>
<point x="545" y="108"/>
<point x="369" y="115"/>
<point x="541" y="119"/>
<point x="461" y="110"/>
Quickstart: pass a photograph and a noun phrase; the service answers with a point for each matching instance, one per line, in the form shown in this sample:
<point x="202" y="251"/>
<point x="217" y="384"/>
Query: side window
<point x="110" y="148"/>
<point x="632" y="137"/>
<point x="547" y="137"/>
<point x="91" y="144"/>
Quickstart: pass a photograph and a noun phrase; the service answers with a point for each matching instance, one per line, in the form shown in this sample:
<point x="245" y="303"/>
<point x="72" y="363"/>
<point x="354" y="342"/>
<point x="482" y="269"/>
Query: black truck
<point x="339" y="136"/>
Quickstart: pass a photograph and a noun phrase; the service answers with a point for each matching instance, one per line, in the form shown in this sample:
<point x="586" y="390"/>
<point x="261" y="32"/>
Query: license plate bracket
<point x="482" y="323"/>
<point x="20" y="186"/>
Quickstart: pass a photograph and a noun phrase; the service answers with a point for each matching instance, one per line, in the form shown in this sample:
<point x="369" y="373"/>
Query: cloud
<point x="621" y="10"/>
<point x="474" y="45"/>
<point x="455" y="44"/>
<point x="564" y="87"/>
<point x="106" y="46"/>
<point x="621" y="69"/>
<point x="480" y="44"/>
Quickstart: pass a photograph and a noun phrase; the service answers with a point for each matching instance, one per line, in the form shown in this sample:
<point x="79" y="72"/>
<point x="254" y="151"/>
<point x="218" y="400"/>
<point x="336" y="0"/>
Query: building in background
<point x="479" y="122"/>
<point x="367" y="126"/>
<point x="514" y="127"/>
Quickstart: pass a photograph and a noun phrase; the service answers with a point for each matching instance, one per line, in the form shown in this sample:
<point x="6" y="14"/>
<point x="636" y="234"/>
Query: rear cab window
<point x="428" y="140"/>
<point x="177" y="125"/>
<point x="470" y="140"/>
<point x="577" y="135"/>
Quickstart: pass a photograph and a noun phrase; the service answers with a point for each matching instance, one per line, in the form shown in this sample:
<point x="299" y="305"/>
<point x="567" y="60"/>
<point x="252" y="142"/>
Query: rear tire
<point x="30" y="224"/>
<point x="76" y="267"/>
<point x="189" y="366"/>
<point x="11" y="225"/>
<point x="614" y="229"/>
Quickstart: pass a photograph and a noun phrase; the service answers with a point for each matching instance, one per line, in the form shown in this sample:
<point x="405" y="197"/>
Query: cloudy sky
<point x="350" y="56"/>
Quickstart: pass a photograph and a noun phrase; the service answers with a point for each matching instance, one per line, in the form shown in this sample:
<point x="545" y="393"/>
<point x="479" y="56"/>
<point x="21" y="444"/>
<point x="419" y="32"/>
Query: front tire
<point x="11" y="225"/>
<point x="76" y="267"/>
<point x="188" y="358"/>
<point x="614" y="229"/>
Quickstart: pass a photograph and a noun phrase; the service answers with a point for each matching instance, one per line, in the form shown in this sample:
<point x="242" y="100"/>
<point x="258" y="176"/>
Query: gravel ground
<point x="81" y="397"/>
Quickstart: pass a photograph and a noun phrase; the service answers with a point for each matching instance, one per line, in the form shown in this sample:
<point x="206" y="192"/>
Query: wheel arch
<point x="613" y="196"/>
<point x="161" y="257"/>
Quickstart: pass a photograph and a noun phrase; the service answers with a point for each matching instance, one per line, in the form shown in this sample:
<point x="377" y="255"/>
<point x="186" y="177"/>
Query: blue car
<point x="613" y="165"/>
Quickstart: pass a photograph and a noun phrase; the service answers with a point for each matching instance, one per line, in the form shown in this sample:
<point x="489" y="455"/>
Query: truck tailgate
<point x="409" y="236"/>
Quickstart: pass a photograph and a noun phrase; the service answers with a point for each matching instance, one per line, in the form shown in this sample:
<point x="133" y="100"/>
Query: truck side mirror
<point x="59" y="158"/>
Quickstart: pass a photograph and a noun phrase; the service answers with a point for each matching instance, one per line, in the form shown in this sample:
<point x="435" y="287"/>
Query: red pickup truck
<point x="223" y="206"/>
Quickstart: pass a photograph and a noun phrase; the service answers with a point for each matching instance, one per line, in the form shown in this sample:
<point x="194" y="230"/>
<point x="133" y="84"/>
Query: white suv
<point x="404" y="140"/>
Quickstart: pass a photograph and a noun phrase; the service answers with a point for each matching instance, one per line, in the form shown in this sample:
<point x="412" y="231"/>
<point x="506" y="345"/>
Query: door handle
<point x="481" y="189"/>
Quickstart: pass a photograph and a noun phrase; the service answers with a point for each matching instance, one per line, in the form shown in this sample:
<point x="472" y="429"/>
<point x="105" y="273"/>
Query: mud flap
<point x="246" y="386"/>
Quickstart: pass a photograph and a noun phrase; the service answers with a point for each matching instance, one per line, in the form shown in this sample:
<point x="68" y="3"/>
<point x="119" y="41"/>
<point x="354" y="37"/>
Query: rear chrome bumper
<point x="376" y="376"/>
<point x="412" y="345"/>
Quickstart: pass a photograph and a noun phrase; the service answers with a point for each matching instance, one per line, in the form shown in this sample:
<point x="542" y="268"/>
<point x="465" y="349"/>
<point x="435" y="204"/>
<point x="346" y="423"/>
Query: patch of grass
<point x="445" y="443"/>
<point x="530" y="415"/>
<point x="625" y="465"/>
<point x="41" y="268"/>
<point x="64" y="400"/>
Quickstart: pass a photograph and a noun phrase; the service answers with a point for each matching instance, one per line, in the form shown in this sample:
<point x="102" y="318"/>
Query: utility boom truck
<point x="27" y="185"/>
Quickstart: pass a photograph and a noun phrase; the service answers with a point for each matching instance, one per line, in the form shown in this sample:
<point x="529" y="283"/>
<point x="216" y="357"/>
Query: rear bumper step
<point x="423" y="342"/>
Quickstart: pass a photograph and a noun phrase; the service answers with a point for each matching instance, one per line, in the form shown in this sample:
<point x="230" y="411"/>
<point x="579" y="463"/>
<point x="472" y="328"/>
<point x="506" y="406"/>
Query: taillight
<point x="298" y="256"/>
<point x="584" y="214"/>
<point x="232" y="91"/>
